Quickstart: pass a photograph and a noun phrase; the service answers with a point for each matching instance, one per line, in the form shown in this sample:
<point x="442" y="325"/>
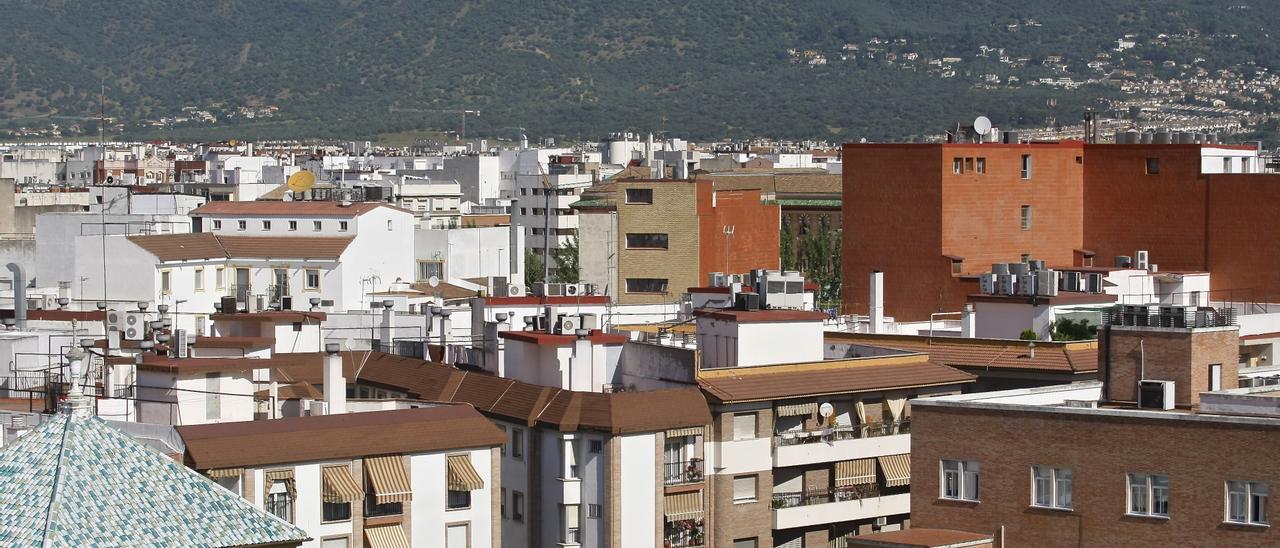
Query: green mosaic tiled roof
<point x="76" y="481"/>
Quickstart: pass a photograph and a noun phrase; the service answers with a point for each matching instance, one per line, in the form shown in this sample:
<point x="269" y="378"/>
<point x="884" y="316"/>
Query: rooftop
<point x="922" y="538"/>
<point x="207" y="245"/>
<point x="769" y="382"/>
<point x="761" y="316"/>
<point x="551" y="339"/>
<point x="1056" y="357"/>
<point x="342" y="436"/>
<point x="277" y="316"/>
<point x="290" y="209"/>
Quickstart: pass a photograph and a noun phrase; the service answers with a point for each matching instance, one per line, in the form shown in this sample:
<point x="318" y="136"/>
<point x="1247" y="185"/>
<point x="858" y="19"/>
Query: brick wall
<point x="1241" y="223"/>
<point x="674" y="213"/>
<point x="756" y="232"/>
<point x="730" y="521"/>
<point x="1100" y="451"/>
<point x="1179" y="355"/>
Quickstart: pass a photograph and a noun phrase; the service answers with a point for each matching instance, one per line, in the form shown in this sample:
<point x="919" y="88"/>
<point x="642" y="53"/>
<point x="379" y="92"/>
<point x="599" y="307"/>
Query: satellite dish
<point x="288" y="196"/>
<point x="301" y="181"/>
<point x="982" y="125"/>
<point x="826" y="409"/>
<point x="433" y="281"/>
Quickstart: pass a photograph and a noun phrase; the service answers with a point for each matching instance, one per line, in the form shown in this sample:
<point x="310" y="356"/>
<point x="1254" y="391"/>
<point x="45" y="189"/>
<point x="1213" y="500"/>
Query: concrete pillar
<point x="445" y="326"/>
<point x="969" y="322"/>
<point x="877" y="302"/>
<point x="581" y="364"/>
<point x="387" y="333"/>
<point x="335" y="385"/>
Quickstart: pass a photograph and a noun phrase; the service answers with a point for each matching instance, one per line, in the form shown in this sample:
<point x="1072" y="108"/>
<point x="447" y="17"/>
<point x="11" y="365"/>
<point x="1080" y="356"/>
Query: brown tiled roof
<point x="780" y="182"/>
<point x="918" y="537"/>
<point x="233" y="342"/>
<point x="445" y="290"/>
<point x="551" y="339"/>
<point x="1052" y="357"/>
<point x="278" y="316"/>
<point x="292" y="209"/>
<point x="828" y="377"/>
<point x="761" y="316"/>
<point x="195" y="365"/>
<point x="485" y="220"/>
<point x="295" y="391"/>
<point x="343" y="436"/>
<point x="207" y="245"/>
<point x="59" y="315"/>
<point x="511" y="400"/>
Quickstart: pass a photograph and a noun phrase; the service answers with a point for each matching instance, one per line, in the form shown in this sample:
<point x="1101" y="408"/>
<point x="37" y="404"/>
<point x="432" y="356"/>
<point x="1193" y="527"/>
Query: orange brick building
<point x="934" y="216"/>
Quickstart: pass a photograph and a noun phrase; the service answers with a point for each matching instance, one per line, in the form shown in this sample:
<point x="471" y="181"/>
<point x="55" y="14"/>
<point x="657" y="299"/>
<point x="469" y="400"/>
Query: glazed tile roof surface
<point x="77" y="481"/>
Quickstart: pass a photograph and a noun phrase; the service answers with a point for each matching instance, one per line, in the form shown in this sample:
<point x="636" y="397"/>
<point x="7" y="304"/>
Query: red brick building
<point x="933" y="216"/>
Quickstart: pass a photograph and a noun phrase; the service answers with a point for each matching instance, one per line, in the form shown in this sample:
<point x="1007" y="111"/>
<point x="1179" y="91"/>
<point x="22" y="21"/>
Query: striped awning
<point x="339" y="485"/>
<point x="896" y="469"/>
<point x="797" y="409"/>
<point x="389" y="478"/>
<point x="463" y="476"/>
<point x="855" y="472"/>
<point x="280" y="476"/>
<point x="682" y="506"/>
<point x="681" y="432"/>
<point x="219" y="473"/>
<point x="386" y="536"/>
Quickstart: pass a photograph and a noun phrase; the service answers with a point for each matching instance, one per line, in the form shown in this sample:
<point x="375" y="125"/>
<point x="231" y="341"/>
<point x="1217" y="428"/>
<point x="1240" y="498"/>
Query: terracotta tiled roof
<point x="290" y="209"/>
<point x="508" y="399"/>
<point x="343" y="436"/>
<point x="206" y="245"/>
<point x="551" y="339"/>
<point x="1053" y="357"/>
<point x="233" y="342"/>
<point x="761" y="316"/>
<point x="196" y="365"/>
<point x="918" y="537"/>
<point x="829" y="377"/>
<point x="295" y="391"/>
<point x="445" y="290"/>
<point x="782" y="183"/>
<point x="278" y="316"/>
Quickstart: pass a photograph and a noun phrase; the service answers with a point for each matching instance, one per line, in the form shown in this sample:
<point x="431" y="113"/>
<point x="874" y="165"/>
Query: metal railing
<point x="686" y="471"/>
<point x="825" y="496"/>
<point x="685" y="533"/>
<point x="572" y="535"/>
<point x="844" y="432"/>
<point x="1169" y="316"/>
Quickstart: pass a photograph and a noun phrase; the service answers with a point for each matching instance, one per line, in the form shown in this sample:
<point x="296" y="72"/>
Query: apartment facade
<point x="425" y="477"/>
<point x="933" y="216"/>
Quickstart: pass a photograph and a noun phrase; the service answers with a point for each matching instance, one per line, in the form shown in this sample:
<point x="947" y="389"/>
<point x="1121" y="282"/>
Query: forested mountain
<point x="710" y="69"/>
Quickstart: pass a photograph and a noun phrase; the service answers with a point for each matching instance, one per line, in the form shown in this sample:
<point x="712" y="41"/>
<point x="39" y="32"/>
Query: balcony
<point x="688" y="471"/>
<point x="842" y="443"/>
<point x="836" y="505"/>
<point x="685" y="533"/>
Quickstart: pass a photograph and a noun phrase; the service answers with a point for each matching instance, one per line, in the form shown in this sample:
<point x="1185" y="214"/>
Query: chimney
<point x="445" y="325"/>
<point x="19" y="296"/>
<point x="335" y="386"/>
<point x="549" y="316"/>
<point x="581" y="364"/>
<point x="477" y="321"/>
<point x="388" y="327"/>
<point x="968" y="322"/>
<point x="877" y="302"/>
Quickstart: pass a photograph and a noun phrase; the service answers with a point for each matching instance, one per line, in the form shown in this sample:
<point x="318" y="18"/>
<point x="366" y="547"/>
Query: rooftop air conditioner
<point x="135" y="326"/>
<point x="1093" y="282"/>
<point x="1007" y="284"/>
<point x="514" y="290"/>
<point x="1027" y="284"/>
<point x="572" y="290"/>
<point x="1047" y="283"/>
<point x="1071" y="281"/>
<point x="1155" y="394"/>
<point x="987" y="284"/>
<point x="567" y="324"/>
<point x="1141" y="258"/>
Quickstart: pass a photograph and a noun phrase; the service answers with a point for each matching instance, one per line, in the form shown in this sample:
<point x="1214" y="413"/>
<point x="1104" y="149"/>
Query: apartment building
<point x="543" y="212"/>
<point x="934" y="216"/>
<point x="425" y="477"/>
<point x="651" y="238"/>
<point x="1117" y="461"/>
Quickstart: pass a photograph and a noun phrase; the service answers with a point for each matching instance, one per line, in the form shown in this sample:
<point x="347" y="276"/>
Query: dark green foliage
<point x="565" y="269"/>
<point x="1028" y="335"/>
<point x="1074" y="330"/>
<point x="533" y="267"/>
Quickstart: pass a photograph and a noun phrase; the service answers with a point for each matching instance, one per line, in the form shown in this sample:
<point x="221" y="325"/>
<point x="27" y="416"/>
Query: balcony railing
<point x="688" y="471"/>
<point x="825" y="496"/>
<point x="685" y="533"/>
<point x="844" y="432"/>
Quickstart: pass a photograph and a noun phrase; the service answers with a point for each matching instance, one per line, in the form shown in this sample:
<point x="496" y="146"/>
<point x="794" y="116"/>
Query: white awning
<point x="797" y="409"/>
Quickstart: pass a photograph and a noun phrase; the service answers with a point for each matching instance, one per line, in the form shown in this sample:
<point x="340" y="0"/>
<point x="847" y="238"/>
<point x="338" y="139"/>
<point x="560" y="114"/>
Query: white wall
<point x="638" y="495"/>
<point x="473" y="252"/>
<point x="427" y="473"/>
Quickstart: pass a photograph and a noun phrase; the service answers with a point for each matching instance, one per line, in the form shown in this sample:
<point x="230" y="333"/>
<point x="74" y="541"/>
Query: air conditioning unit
<point x="1071" y="281"/>
<point x="987" y="284"/>
<point x="1008" y="285"/>
<point x="590" y="322"/>
<point x="1082" y="404"/>
<point x="135" y="326"/>
<point x="1047" y="283"/>
<point x="567" y="324"/>
<point x="1142" y="260"/>
<point x="717" y="279"/>
<point x="514" y="290"/>
<point x="882" y="521"/>
<point x="1093" y="282"/>
<point x="318" y="408"/>
<point x="180" y="343"/>
<point x="572" y="290"/>
<point x="1155" y="395"/>
<point x="1027" y="284"/>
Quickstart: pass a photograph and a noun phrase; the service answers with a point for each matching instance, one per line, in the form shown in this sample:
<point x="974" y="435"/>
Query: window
<point x="968" y="165"/>
<point x="340" y="542"/>
<point x="218" y="278"/>
<point x="315" y="226"/>
<point x="212" y="397"/>
<point x="279" y="502"/>
<point x="646" y="241"/>
<point x="646" y="285"/>
<point x="960" y="480"/>
<point x="342" y="226"/>
<point x="388" y="225"/>
<point x="595" y="446"/>
<point x="458" y="500"/>
<point x="957" y="166"/>
<point x="266" y="225"/>
<point x="1153" y="166"/>
<point x="165" y="286"/>
<point x="1148" y="495"/>
<point x="217" y="224"/>
<point x="1247" y="502"/>
<point x="524" y="211"/>
<point x="199" y="279"/>
<point x="744" y="489"/>
<point x="1026" y="217"/>
<point x="1025" y="257"/>
<point x="335" y="511"/>
<point x="427" y="269"/>
<point x="457" y="535"/>
<point x="1050" y="487"/>
<point x="744" y="426"/>
<point x="1026" y="166"/>
<point x="746" y="543"/>
<point x="1215" y="376"/>
<point x="502" y="501"/>
<point x="957" y="266"/>
<point x="312" y="280"/>
<point x="982" y="165"/>
<point x="242" y="225"/>
<point x="502" y="450"/>
<point x="593" y="511"/>
<point x="1226" y="165"/>
<point x="569" y="530"/>
<point x="569" y="459"/>
<point x="639" y="195"/>
<point x="1079" y="159"/>
<point x="293" y="226"/>
<point x="517" y="443"/>
<point x="517" y="506"/>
